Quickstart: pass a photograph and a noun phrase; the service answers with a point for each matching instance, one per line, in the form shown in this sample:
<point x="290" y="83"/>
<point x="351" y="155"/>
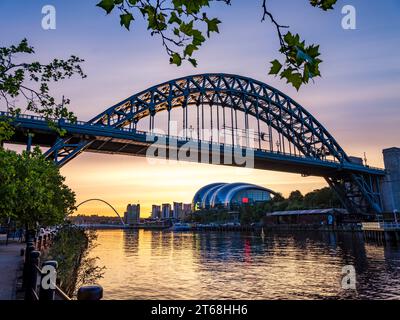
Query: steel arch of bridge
<point x="358" y="192"/>
<point x="250" y="96"/>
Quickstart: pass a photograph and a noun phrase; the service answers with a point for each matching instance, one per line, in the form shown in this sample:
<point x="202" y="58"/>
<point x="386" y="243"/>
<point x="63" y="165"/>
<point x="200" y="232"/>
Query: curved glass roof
<point x="221" y="194"/>
<point x="200" y="195"/>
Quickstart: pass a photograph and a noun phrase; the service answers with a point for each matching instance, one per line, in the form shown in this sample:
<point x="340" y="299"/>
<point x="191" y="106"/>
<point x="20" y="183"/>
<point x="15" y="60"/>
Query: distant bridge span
<point x="100" y="200"/>
<point x="285" y="136"/>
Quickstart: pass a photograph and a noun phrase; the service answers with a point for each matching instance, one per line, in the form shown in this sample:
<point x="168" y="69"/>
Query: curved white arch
<point x="95" y="199"/>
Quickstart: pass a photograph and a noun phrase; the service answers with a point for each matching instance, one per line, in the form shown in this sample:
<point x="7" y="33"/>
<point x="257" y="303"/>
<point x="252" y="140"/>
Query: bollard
<point x="30" y="244"/>
<point x="34" y="260"/>
<point x="29" y="248"/>
<point x="29" y="237"/>
<point x="26" y="270"/>
<point x="48" y="293"/>
<point x="90" y="293"/>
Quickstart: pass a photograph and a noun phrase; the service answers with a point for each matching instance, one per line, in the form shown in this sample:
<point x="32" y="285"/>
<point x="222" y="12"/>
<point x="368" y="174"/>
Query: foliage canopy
<point x="32" y="191"/>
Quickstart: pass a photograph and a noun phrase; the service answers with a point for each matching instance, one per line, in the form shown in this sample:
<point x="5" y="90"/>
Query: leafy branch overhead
<point x="183" y="26"/>
<point x="301" y="64"/>
<point x="26" y="84"/>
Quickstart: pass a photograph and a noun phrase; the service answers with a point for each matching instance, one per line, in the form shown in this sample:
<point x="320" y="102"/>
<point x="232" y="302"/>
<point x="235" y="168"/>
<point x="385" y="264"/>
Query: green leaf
<point x="313" y="51"/>
<point x="126" y="20"/>
<point x="212" y="26"/>
<point x="291" y="40"/>
<point x="323" y="4"/>
<point x="276" y="67"/>
<point x="174" y="19"/>
<point x="189" y="49"/>
<point x="198" y="38"/>
<point x="176" y="32"/>
<point x="107" y="5"/>
<point x="193" y="62"/>
<point x="296" y="80"/>
<point x="186" y="28"/>
<point x="306" y="74"/>
<point x="176" y="59"/>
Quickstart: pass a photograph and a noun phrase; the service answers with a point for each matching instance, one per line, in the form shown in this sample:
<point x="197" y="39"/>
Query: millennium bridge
<point x="281" y="134"/>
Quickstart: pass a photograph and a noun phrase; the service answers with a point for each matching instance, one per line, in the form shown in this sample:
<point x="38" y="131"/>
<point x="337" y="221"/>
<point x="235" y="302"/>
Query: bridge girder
<point x="246" y="95"/>
<point x="241" y="93"/>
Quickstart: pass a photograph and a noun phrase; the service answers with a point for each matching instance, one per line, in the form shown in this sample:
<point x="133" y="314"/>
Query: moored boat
<point x="181" y="227"/>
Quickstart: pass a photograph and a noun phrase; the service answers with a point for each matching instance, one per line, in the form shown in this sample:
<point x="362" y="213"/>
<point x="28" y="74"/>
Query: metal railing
<point x="380" y="226"/>
<point x="40" y="279"/>
<point x="390" y="225"/>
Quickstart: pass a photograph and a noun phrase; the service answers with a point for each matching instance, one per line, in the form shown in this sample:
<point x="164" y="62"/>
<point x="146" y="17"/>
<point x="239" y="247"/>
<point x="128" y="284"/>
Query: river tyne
<point x="143" y="264"/>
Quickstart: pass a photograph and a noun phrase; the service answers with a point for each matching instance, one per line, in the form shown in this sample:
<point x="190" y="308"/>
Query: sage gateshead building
<point x="229" y="195"/>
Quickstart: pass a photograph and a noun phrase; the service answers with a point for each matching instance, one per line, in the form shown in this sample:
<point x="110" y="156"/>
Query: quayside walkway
<point x="10" y="261"/>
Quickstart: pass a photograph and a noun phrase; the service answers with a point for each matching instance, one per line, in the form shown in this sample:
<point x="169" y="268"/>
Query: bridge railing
<point x="146" y="133"/>
<point x="182" y="138"/>
<point x="22" y="116"/>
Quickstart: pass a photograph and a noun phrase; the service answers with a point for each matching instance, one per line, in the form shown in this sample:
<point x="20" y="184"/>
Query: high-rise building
<point x="187" y="209"/>
<point x="155" y="211"/>
<point x="132" y="214"/>
<point x="166" y="211"/>
<point x="178" y="208"/>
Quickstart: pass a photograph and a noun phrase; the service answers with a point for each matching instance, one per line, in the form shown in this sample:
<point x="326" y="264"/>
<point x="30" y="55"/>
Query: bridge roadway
<point x="132" y="142"/>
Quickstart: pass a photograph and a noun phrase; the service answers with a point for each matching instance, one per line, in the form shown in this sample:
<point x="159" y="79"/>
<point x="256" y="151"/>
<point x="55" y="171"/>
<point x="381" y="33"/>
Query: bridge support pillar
<point x="29" y="142"/>
<point x="390" y="184"/>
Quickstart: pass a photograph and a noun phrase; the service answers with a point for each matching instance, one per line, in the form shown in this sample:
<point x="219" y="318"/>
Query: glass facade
<point x="228" y="195"/>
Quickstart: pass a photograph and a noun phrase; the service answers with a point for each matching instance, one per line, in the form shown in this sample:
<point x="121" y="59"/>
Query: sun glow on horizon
<point x="121" y="180"/>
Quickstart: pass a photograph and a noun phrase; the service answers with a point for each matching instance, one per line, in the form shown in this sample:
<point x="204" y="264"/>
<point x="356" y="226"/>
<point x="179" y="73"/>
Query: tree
<point x="6" y="130"/>
<point x="296" y="196"/>
<point x="322" y="198"/>
<point x="183" y="26"/>
<point x="29" y="81"/>
<point x="8" y="187"/>
<point x="246" y="214"/>
<point x="32" y="189"/>
<point x="278" y="197"/>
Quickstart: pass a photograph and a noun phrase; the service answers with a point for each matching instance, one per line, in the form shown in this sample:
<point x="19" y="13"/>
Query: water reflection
<point x="166" y="265"/>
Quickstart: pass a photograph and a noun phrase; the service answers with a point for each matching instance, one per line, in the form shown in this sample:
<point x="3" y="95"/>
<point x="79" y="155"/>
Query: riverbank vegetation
<point x="71" y="248"/>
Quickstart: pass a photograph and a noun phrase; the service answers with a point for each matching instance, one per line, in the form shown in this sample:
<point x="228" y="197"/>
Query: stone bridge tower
<point x="390" y="186"/>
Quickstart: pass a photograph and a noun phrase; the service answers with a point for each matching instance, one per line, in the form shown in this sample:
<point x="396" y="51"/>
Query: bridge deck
<point x="132" y="142"/>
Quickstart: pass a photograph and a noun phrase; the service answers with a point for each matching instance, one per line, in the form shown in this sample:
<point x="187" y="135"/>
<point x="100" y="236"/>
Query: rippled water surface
<point x="198" y="265"/>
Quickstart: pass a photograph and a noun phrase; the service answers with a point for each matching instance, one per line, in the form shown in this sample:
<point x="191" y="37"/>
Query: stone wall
<point x="390" y="186"/>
